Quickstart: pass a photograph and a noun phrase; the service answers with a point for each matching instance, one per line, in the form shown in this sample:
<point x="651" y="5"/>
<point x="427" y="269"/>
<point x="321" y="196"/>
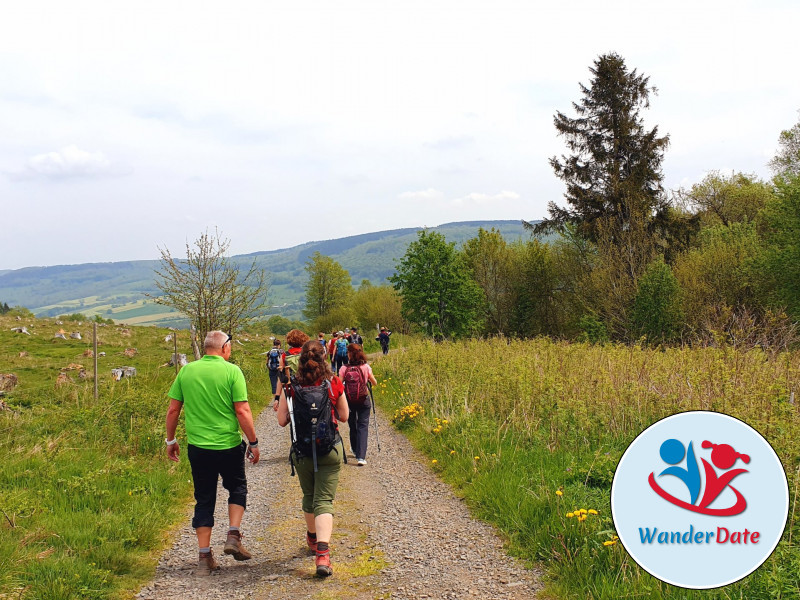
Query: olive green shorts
<point x="319" y="488"/>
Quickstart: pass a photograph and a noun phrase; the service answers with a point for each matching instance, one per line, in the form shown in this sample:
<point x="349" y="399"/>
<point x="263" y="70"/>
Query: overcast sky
<point x="125" y="126"/>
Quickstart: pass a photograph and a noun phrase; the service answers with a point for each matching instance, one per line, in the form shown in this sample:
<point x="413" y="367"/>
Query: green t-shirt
<point x="208" y="388"/>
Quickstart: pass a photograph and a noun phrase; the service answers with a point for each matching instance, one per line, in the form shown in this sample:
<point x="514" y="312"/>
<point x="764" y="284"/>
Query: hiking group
<point x="315" y="385"/>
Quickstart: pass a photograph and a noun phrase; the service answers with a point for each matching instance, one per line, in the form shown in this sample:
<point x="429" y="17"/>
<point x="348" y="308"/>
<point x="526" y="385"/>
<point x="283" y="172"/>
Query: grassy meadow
<point x="86" y="493"/>
<point x="530" y="432"/>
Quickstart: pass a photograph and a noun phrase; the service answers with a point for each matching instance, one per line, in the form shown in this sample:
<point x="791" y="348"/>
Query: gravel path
<point x="399" y="533"/>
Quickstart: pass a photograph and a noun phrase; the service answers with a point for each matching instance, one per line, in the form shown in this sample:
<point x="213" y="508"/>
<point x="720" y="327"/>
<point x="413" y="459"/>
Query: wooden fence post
<point x="94" y="344"/>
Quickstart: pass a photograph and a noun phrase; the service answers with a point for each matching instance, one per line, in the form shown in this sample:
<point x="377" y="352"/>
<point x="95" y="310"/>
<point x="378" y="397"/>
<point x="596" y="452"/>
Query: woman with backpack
<point x="356" y="375"/>
<point x="315" y="455"/>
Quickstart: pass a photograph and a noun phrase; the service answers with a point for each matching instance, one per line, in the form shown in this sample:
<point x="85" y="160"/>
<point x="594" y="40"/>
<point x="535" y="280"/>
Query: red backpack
<point x="355" y="386"/>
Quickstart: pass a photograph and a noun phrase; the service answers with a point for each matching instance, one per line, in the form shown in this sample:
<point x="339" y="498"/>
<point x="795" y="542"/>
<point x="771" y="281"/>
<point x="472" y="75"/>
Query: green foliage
<point x="438" y="294"/>
<point x="337" y="319"/>
<point x="781" y="261"/>
<point x="488" y="258"/>
<point x="722" y="199"/>
<point x="281" y="325"/>
<point x="657" y="312"/>
<point x="4" y="308"/>
<point x="786" y="163"/>
<point x="328" y="286"/>
<point x="533" y="279"/>
<point x="720" y="274"/>
<point x="378" y="305"/>
<point x="592" y="329"/>
<point x="75" y="317"/>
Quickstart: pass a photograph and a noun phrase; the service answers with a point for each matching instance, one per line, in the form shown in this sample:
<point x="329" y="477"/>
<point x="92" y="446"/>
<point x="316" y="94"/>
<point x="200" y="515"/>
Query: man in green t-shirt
<point x="213" y="395"/>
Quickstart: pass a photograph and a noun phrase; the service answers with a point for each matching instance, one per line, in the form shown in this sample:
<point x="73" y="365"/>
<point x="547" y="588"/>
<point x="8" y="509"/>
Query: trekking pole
<point x="290" y="404"/>
<point x="374" y="416"/>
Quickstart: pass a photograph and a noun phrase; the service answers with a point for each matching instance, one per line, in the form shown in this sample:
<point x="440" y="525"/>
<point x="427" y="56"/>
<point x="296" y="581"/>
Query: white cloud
<point x="68" y="163"/>
<point x="476" y="198"/>
<point x="423" y="195"/>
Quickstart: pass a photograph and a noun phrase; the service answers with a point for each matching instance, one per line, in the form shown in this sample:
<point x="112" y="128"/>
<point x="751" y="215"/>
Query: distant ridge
<point x="119" y="290"/>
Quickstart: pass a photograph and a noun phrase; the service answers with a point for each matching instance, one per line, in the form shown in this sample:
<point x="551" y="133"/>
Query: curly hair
<point x="313" y="367"/>
<point x="296" y="338"/>
<point x="355" y="355"/>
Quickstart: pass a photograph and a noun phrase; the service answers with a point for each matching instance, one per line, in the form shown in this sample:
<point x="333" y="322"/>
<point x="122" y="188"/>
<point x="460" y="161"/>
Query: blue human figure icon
<point x="672" y="452"/>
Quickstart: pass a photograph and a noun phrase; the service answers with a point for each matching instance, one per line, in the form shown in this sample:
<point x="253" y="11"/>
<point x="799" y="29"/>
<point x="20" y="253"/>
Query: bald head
<point x="214" y="342"/>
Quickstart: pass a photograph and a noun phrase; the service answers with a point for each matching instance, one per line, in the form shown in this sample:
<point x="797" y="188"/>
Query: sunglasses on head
<point x="230" y="339"/>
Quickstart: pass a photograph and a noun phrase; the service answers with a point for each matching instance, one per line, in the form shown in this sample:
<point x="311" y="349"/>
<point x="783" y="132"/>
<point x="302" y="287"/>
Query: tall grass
<point x="87" y="495"/>
<point x="530" y="432"/>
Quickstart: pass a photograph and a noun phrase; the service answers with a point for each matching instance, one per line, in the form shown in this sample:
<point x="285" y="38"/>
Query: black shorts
<point x="207" y="467"/>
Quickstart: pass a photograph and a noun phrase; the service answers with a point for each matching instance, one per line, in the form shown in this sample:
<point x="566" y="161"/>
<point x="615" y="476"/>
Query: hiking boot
<point x="206" y="564"/>
<point x="233" y="546"/>
<point x="362" y="462"/>
<point x="324" y="565"/>
<point x="312" y="543"/>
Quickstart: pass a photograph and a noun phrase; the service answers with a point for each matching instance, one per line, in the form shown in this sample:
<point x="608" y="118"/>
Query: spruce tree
<point x="613" y="173"/>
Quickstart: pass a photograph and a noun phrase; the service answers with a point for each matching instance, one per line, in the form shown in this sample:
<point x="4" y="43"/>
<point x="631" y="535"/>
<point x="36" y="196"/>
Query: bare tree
<point x="209" y="288"/>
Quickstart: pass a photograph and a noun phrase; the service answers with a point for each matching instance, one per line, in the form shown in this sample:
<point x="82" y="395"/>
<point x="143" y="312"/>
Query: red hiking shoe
<point x="324" y="565"/>
<point x="312" y="543"/>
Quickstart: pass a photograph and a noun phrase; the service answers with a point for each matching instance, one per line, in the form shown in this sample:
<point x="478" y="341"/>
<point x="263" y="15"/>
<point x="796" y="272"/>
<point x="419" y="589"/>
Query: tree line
<point x="631" y="261"/>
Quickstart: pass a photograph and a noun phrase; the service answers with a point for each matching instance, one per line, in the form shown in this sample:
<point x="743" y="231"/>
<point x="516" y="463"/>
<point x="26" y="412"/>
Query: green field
<point x="86" y="494"/>
<point x="531" y="432"/>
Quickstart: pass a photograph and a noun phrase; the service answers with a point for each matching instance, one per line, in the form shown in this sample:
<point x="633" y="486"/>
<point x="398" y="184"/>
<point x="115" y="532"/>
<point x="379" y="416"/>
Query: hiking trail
<point x="399" y="533"/>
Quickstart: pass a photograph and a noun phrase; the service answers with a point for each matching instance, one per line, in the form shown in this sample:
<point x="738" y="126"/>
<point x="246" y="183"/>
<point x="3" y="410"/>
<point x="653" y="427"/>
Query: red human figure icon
<point x="724" y="457"/>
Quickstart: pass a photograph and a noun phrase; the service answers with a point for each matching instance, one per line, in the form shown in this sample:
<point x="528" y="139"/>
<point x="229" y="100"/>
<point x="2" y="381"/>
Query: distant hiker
<point x="332" y="348"/>
<point x="316" y="392"/>
<point x="274" y="358"/>
<point x="214" y="395"/>
<point x="341" y="351"/>
<point x="323" y="343"/>
<point x="383" y="338"/>
<point x="354" y="338"/>
<point x="290" y="360"/>
<point x="355" y="376"/>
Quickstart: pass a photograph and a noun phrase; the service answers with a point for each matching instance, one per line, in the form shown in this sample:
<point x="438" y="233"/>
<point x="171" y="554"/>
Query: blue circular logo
<point x="699" y="500"/>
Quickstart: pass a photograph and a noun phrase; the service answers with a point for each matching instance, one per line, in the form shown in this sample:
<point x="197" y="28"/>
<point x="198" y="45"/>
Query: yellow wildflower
<point x="609" y="542"/>
<point x="559" y="493"/>
<point x="570" y="515"/>
<point x="592" y="511"/>
<point x="434" y="461"/>
<point x="477" y="458"/>
<point x="581" y="518"/>
<point x="452" y="452"/>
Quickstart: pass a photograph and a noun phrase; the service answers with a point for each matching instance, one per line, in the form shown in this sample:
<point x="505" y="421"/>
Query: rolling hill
<point x="122" y="290"/>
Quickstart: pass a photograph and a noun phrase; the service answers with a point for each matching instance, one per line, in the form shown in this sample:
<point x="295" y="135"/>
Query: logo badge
<point x="699" y="500"/>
